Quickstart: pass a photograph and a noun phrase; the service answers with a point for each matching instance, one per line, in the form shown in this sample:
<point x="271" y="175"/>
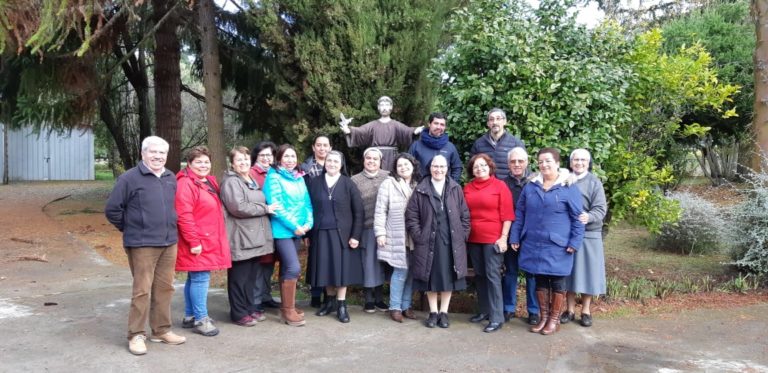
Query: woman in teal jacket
<point x="285" y="186"/>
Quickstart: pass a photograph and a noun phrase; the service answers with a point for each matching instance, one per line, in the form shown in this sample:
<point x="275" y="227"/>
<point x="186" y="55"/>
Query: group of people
<point x="404" y="219"/>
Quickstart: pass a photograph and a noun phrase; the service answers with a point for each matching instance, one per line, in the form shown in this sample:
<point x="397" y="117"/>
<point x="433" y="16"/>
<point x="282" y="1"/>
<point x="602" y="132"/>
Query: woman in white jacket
<point x="391" y="237"/>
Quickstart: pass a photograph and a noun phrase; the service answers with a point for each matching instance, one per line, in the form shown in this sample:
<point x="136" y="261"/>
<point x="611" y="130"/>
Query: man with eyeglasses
<point x="497" y="142"/>
<point x="517" y="177"/>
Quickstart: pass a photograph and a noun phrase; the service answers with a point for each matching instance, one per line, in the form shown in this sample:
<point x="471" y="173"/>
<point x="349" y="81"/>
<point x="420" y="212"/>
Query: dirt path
<point x="82" y="325"/>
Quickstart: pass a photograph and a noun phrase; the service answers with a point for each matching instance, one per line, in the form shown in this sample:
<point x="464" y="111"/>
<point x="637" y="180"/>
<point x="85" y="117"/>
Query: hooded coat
<point x="547" y="222"/>
<point x="201" y="222"/>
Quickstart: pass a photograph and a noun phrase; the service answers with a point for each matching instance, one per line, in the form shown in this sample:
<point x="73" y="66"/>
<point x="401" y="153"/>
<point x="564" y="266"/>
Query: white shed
<point x="48" y="156"/>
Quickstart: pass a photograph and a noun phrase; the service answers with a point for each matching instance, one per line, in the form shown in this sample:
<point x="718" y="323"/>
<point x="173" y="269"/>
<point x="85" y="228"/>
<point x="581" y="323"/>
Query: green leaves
<point x="565" y="86"/>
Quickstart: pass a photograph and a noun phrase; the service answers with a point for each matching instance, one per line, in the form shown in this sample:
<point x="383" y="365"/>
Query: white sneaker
<point x="137" y="344"/>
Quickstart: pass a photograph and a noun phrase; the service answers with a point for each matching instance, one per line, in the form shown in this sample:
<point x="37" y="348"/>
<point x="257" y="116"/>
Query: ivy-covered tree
<point x="567" y="86"/>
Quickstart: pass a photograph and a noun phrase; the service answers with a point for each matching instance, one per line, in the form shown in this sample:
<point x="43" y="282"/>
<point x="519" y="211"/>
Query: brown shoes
<point x="396" y="315"/>
<point x="170" y="338"/>
<point x="409" y="314"/>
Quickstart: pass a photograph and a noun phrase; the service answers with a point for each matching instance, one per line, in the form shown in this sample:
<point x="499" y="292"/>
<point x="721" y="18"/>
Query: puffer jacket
<point x="389" y="221"/>
<point x="290" y="191"/>
<point x="498" y="151"/>
<point x="547" y="222"/>
<point x="247" y="218"/>
<point x="201" y="222"/>
<point x="420" y="222"/>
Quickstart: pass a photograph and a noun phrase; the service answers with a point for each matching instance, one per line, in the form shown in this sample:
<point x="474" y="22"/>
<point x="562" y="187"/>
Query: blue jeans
<point x="288" y="249"/>
<point x="196" y="294"/>
<point x="509" y="285"/>
<point x="400" y="289"/>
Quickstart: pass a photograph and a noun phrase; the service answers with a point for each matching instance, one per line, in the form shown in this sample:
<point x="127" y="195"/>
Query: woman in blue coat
<point x="547" y="232"/>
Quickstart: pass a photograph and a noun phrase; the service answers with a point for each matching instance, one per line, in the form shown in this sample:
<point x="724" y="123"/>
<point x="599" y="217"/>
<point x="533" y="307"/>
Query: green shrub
<point x="700" y="230"/>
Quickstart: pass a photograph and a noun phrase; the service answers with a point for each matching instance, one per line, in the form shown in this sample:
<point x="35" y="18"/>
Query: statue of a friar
<point x="385" y="133"/>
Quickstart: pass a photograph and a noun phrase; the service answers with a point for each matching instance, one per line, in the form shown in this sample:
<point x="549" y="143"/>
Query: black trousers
<point x="241" y="279"/>
<point x="487" y="264"/>
<point x="554" y="283"/>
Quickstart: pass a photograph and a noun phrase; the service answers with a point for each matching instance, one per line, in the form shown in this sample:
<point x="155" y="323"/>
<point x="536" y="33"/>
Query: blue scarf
<point x="432" y="142"/>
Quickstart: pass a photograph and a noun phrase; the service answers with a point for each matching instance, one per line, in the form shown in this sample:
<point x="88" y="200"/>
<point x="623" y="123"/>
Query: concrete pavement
<point x="85" y="329"/>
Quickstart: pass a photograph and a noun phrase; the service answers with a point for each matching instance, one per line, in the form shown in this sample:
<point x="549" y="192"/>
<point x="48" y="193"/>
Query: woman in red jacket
<point x="490" y="214"/>
<point x="203" y="244"/>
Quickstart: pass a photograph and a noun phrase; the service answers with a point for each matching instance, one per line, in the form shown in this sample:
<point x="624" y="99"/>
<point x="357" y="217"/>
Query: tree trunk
<point x="168" y="82"/>
<point x="760" y="125"/>
<point x="105" y="113"/>
<point x="212" y="82"/>
<point x="135" y="69"/>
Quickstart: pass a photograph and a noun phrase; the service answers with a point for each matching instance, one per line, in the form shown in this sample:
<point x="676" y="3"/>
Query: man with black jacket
<point x="141" y="206"/>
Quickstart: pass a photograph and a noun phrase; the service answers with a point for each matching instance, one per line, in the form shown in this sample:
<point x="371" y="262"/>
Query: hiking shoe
<point x="246" y="320"/>
<point x="170" y="338"/>
<point x="188" y="322"/>
<point x="137" y="344"/>
<point x="370" y="307"/>
<point x="258" y="315"/>
<point x="206" y="327"/>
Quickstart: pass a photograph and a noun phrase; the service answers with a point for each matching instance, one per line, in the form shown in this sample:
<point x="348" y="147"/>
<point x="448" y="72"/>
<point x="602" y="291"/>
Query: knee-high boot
<point x="558" y="298"/>
<point x="542" y="295"/>
<point x="288" y="306"/>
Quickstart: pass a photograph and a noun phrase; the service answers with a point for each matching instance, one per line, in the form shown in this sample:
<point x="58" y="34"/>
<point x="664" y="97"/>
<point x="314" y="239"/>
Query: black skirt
<point x="333" y="263"/>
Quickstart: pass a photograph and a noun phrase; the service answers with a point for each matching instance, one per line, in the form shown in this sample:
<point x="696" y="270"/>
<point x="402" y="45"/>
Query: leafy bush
<point x="700" y="229"/>
<point x="749" y="227"/>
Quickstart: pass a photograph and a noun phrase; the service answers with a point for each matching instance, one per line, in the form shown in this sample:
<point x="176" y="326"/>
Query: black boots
<point x="328" y="307"/>
<point x="341" y="311"/>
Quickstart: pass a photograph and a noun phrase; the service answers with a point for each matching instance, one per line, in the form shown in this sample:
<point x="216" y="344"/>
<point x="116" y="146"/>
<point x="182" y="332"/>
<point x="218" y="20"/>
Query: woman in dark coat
<point x="335" y="238"/>
<point x="547" y="231"/>
<point x="437" y="218"/>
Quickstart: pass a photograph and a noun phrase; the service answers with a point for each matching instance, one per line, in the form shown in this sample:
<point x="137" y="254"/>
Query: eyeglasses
<point x="266" y="155"/>
<point x="438" y="167"/>
<point x="579" y="160"/>
<point x="479" y="166"/>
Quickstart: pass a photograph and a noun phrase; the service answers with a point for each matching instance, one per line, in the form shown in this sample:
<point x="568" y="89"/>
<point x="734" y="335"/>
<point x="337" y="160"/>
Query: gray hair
<point x="516" y="149"/>
<point x="585" y="151"/>
<point x="153" y="140"/>
<point x="496" y="110"/>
